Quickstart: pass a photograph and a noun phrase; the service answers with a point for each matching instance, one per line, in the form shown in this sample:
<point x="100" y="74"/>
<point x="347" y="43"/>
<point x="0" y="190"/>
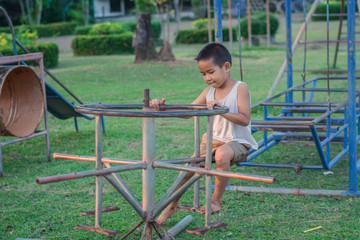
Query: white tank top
<point x="223" y="129"/>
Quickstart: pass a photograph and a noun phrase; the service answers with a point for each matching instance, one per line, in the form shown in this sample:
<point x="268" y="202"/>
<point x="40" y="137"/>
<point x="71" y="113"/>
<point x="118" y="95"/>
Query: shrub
<point x="106" y="28"/>
<point x="258" y="25"/>
<point x="201" y="23"/>
<point x="102" y="45"/>
<point x="50" y="50"/>
<point x="55" y="29"/>
<point x="334" y="7"/>
<point x="83" y="30"/>
<point x="189" y="36"/>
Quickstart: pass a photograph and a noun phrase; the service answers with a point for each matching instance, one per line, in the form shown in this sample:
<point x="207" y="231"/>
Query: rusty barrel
<point x="21" y="101"/>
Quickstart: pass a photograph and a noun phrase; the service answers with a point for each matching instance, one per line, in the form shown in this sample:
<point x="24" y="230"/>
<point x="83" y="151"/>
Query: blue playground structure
<point x="321" y="123"/>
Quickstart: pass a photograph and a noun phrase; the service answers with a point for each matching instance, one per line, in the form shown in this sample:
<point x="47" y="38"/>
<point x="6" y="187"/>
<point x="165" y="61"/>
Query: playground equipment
<point x="289" y="126"/>
<point x="22" y="101"/>
<point x="57" y="104"/>
<point x="149" y="210"/>
<point x="26" y="97"/>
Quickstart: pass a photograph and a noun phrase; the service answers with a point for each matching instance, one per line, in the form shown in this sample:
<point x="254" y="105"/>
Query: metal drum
<point x="21" y="101"/>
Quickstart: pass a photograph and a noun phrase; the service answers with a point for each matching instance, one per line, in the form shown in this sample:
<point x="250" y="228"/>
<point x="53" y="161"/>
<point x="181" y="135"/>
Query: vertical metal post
<point x="209" y="21"/>
<point x="218" y="21"/>
<point x="41" y="63"/>
<point x="353" y="184"/>
<point x="230" y="27"/>
<point x="248" y="9"/>
<point x="328" y="126"/>
<point x="289" y="97"/>
<point x="207" y="167"/>
<point x="98" y="166"/>
<point x="148" y="174"/>
<point x="265" y="132"/>
<point x="197" y="155"/>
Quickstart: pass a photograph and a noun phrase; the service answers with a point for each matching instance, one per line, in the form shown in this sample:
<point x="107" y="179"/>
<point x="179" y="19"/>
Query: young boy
<point x="232" y="138"/>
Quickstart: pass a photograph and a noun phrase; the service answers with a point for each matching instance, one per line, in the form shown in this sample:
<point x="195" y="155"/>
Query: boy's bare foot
<point x="170" y="210"/>
<point x="215" y="207"/>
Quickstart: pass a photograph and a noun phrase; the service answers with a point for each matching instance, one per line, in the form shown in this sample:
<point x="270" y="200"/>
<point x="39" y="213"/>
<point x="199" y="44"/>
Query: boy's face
<point x="214" y="75"/>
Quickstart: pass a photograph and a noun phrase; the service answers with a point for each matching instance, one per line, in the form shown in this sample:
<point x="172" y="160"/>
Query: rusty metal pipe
<point x="235" y="175"/>
<point x="90" y="173"/>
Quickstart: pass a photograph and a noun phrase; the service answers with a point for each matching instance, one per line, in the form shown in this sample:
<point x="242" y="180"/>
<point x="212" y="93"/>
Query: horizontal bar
<point x="287" y="128"/>
<point x="92" y="159"/>
<point x="255" y="123"/>
<point x="90" y="173"/>
<point x="104" y="210"/>
<point x="311" y="110"/>
<point x="323" y="70"/>
<point x="37" y="134"/>
<point x="106" y="232"/>
<point x="331" y="14"/>
<point x="235" y="175"/>
<point x="122" y="161"/>
<point x="323" y="89"/>
<point x="299" y="104"/>
<point x="20" y="58"/>
<point x="324" y="41"/>
<point x="279" y="165"/>
<point x="294" y="191"/>
<point x="307" y="136"/>
<point x="332" y="120"/>
<point x="116" y="111"/>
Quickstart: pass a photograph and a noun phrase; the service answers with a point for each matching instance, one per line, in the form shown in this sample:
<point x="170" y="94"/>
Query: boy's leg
<point x="171" y="209"/>
<point x="223" y="157"/>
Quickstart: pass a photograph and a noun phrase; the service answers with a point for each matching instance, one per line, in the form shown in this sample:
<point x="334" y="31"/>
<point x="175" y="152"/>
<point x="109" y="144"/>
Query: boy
<point x="232" y="138"/>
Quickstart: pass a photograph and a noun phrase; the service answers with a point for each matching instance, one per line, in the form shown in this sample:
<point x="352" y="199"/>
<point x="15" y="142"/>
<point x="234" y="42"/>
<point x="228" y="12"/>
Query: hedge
<point x="48" y="30"/>
<point x="55" y="29"/>
<point x="83" y="30"/>
<point x="50" y="50"/>
<point x="258" y="25"/>
<point x="102" y="45"/>
<point x="189" y="36"/>
<point x="334" y="7"/>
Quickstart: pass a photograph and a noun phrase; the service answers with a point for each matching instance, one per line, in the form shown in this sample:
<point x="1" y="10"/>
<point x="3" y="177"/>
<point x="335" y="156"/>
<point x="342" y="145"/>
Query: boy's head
<point x="215" y="51"/>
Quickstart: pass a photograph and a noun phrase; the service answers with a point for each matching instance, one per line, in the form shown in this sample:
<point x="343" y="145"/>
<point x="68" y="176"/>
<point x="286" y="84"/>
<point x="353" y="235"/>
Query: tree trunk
<point x="166" y="53"/>
<point x="144" y="41"/>
<point x="28" y="11"/>
<point x="86" y="12"/>
<point x="38" y="18"/>
<point x="23" y="14"/>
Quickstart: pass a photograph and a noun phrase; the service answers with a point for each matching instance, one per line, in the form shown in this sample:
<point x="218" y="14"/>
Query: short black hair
<point x="218" y="52"/>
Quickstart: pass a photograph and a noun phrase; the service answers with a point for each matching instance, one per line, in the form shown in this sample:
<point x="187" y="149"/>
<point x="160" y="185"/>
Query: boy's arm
<point x="243" y="102"/>
<point x="201" y="99"/>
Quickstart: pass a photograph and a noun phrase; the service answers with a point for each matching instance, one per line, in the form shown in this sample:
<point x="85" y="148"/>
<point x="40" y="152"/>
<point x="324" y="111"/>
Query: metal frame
<point x="149" y="210"/>
<point x="17" y="59"/>
<point x="285" y="126"/>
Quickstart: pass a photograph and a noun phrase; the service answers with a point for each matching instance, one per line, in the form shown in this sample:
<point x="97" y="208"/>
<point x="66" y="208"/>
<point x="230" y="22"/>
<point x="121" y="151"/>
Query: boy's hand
<point x="156" y="102"/>
<point x="210" y="105"/>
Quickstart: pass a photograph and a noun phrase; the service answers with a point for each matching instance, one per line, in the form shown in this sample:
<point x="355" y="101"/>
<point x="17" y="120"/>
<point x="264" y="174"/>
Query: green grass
<point x="50" y="211"/>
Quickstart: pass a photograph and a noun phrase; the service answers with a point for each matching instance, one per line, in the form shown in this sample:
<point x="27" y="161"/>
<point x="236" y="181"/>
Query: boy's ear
<point x="227" y="66"/>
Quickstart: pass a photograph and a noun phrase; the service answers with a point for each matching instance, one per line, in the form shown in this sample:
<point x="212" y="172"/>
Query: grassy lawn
<point x="50" y="211"/>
